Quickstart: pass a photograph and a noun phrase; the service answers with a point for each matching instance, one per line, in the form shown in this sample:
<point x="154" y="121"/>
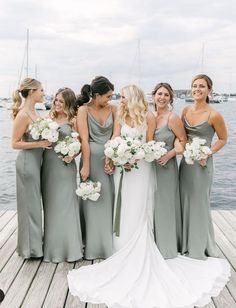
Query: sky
<point x="128" y="41"/>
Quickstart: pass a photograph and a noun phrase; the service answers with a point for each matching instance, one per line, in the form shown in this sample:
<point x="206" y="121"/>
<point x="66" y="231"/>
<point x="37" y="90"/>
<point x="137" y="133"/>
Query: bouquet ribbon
<point x="118" y="206"/>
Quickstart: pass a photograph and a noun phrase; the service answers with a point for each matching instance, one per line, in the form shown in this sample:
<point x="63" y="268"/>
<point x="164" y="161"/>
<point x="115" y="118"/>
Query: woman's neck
<point x="199" y="104"/>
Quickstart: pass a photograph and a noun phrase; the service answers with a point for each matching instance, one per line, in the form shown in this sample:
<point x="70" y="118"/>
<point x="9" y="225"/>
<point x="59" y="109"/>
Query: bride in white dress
<point x="136" y="275"/>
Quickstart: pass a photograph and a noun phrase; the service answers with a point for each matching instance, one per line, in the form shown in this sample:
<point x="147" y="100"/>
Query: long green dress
<point x="62" y="231"/>
<point x="195" y="188"/>
<point x="97" y="216"/>
<point x="167" y="211"/>
<point x="28" y="194"/>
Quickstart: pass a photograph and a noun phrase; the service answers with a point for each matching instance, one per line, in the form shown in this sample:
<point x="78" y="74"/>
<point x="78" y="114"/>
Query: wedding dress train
<point x="136" y="275"/>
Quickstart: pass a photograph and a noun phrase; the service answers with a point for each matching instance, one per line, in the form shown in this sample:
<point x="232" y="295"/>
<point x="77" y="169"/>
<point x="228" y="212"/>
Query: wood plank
<point x="7" y="231"/>
<point x="7" y="250"/>
<point x="40" y="285"/>
<point x="2" y="212"/>
<point x="225" y="227"/>
<point x="230" y="218"/>
<point x="210" y="305"/>
<point x="4" y="219"/>
<point x="226" y="250"/>
<point x="21" y="284"/>
<point x="58" y="290"/>
<point x="226" y="246"/>
<point x="73" y="301"/>
<point x="224" y="300"/>
<point x="9" y="272"/>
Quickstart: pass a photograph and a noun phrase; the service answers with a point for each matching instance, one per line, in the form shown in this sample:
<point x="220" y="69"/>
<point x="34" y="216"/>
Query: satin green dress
<point x="62" y="231"/>
<point x="97" y="215"/>
<point x="28" y="195"/>
<point x="167" y="211"/>
<point x="195" y="188"/>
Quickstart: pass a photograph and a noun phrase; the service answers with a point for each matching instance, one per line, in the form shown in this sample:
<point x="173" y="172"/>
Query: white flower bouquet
<point x="89" y="190"/>
<point x="153" y="150"/>
<point x="69" y="146"/>
<point x="196" y="150"/>
<point x="124" y="150"/>
<point x="44" y="129"/>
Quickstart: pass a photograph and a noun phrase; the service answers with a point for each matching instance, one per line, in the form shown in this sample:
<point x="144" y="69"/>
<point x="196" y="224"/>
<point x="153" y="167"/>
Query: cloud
<point x="134" y="41"/>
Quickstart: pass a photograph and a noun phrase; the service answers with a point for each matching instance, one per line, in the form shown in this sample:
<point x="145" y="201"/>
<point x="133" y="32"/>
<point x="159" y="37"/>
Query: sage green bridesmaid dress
<point x="167" y="211"/>
<point x="195" y="188"/>
<point x="97" y="215"/>
<point x="29" y="207"/>
<point x="62" y="231"/>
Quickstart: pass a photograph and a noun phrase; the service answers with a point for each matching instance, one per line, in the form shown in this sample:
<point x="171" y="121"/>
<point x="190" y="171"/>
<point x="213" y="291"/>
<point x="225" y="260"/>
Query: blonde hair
<point x="70" y="108"/>
<point x="26" y="85"/>
<point x="137" y="106"/>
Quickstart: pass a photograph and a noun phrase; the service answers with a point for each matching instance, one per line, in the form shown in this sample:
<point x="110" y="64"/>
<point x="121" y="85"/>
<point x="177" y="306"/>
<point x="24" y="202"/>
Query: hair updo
<point x="99" y="85"/>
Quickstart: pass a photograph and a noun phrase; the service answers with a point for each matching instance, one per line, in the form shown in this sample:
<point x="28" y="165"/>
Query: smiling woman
<point x="95" y="126"/>
<point x="200" y="120"/>
<point x="28" y="168"/>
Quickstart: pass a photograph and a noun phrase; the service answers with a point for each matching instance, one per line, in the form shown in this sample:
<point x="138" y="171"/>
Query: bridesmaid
<point x="28" y="166"/>
<point x="95" y="126"/>
<point x="200" y="120"/>
<point x="62" y="232"/>
<point x="167" y="212"/>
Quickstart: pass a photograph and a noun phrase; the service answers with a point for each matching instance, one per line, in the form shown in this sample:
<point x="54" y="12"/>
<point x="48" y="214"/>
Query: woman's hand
<point x="109" y="167"/>
<point x="45" y="144"/>
<point x="84" y="173"/>
<point x="68" y="159"/>
<point x="203" y="162"/>
<point x="164" y="159"/>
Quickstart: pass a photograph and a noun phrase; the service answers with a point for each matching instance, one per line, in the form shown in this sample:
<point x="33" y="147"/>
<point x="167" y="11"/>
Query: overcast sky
<point x="129" y="41"/>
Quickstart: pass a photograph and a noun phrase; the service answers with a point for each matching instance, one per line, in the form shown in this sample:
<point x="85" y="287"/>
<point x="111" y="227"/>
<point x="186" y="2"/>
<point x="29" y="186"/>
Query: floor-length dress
<point x="195" y="188"/>
<point x="62" y="231"/>
<point x="97" y="216"/>
<point x="28" y="195"/>
<point x="167" y="211"/>
<point x="137" y="276"/>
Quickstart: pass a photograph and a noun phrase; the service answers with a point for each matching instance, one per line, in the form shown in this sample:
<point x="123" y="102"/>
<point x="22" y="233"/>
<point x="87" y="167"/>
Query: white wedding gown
<point x="136" y="275"/>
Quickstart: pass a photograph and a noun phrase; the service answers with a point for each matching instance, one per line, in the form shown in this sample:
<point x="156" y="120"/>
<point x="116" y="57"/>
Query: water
<point x="224" y="187"/>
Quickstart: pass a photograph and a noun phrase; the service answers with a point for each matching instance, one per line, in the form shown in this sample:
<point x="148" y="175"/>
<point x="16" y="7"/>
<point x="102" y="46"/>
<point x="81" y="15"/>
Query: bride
<point x="136" y="275"/>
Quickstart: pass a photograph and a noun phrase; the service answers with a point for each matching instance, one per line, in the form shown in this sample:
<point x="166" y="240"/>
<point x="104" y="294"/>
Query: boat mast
<point x="27" y="54"/>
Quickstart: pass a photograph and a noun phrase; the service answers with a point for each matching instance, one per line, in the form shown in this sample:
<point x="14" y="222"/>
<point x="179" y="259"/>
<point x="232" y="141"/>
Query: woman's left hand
<point x="203" y="162"/>
<point x="164" y="159"/>
<point x="68" y="159"/>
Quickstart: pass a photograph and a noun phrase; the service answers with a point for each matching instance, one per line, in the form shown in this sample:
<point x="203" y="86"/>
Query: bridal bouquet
<point x="153" y="150"/>
<point x="124" y="150"/>
<point x="89" y="190"/>
<point x="69" y="146"/>
<point x="44" y="128"/>
<point x="196" y="150"/>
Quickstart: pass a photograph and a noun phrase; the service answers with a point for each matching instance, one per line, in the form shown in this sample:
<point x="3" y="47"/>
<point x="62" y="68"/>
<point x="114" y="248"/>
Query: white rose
<point x="74" y="135"/>
<point x="53" y="125"/>
<point x="94" y="197"/>
<point x="109" y="152"/>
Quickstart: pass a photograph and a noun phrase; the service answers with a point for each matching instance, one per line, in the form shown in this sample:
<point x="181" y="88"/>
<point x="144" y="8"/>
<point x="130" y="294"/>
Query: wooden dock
<point x="34" y="284"/>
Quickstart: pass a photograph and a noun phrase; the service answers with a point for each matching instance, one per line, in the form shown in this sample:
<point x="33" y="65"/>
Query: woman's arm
<point x="82" y="128"/>
<point x="151" y="126"/>
<point x="176" y="125"/>
<point x="116" y="124"/>
<point x="20" y="126"/>
<point x="218" y="123"/>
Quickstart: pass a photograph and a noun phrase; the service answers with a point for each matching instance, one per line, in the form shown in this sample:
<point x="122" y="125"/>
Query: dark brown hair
<point x="99" y="85"/>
